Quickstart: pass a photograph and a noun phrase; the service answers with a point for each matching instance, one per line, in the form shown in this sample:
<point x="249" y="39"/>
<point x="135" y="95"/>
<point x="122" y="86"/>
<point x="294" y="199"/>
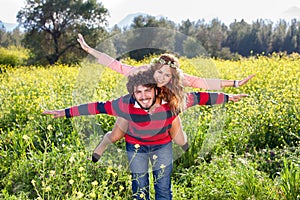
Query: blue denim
<point x="161" y="159"/>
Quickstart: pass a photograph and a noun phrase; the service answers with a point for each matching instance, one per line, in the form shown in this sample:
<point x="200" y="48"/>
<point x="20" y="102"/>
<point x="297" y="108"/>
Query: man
<point x="148" y="134"/>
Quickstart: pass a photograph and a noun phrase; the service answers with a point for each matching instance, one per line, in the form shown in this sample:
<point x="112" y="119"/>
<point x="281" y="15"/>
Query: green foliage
<point x="13" y="56"/>
<point x="246" y="150"/>
<point x="51" y="27"/>
<point x="290" y="180"/>
<point x="13" y="38"/>
<point x="225" y="177"/>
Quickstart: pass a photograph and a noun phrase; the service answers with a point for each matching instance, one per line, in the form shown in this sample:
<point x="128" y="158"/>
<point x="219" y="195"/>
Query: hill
<point x="8" y="26"/>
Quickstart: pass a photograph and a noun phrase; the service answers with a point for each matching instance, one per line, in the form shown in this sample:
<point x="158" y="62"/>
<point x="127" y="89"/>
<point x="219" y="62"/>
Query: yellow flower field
<point x="246" y="150"/>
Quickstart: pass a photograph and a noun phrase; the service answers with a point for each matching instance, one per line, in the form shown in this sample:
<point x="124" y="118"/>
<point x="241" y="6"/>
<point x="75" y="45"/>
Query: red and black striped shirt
<point x="144" y="128"/>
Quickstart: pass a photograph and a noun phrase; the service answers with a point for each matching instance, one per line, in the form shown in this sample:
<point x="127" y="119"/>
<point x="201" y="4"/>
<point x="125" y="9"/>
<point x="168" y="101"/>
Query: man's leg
<point x="162" y="166"/>
<point x="138" y="159"/>
<point x="113" y="136"/>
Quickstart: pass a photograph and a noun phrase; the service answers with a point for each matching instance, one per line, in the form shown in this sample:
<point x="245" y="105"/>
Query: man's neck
<point x="155" y="105"/>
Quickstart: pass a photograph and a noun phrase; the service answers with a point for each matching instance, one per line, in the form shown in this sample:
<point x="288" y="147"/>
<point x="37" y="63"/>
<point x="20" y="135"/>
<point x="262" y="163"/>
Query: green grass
<point x="247" y="150"/>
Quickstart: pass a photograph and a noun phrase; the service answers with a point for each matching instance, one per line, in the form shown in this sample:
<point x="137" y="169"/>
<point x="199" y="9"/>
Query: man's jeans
<point x="161" y="160"/>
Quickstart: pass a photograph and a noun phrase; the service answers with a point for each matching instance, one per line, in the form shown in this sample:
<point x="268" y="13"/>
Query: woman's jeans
<point x="160" y="157"/>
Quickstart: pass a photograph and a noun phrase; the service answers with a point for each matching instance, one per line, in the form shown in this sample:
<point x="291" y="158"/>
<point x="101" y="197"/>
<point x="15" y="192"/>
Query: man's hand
<point x="236" y="97"/>
<point x="55" y="113"/>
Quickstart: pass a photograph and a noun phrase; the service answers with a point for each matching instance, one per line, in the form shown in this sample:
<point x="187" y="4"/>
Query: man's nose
<point x="143" y="94"/>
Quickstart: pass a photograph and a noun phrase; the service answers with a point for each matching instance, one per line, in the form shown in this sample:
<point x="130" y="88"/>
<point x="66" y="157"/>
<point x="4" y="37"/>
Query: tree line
<point x="51" y="27"/>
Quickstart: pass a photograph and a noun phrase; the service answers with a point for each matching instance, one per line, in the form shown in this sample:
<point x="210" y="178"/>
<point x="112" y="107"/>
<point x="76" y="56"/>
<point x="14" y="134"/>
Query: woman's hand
<point x="82" y="43"/>
<point x="55" y="113"/>
<point x="244" y="81"/>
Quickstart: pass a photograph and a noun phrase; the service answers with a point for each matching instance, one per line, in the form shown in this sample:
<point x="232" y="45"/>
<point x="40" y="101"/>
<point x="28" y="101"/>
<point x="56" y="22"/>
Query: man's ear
<point x="155" y="91"/>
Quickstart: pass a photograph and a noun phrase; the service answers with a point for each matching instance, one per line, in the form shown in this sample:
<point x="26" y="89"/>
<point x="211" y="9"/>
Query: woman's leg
<point x="113" y="136"/>
<point x="178" y="135"/>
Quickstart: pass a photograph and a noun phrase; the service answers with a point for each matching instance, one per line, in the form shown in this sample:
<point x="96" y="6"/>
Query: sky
<point x="225" y="10"/>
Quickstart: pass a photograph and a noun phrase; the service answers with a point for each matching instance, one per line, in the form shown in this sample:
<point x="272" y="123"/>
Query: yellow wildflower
<point x="49" y="127"/>
<point x="52" y="172"/>
<point x="72" y="159"/>
<point x="109" y="170"/>
<point x="33" y="182"/>
<point x="94" y="183"/>
<point x="92" y="195"/>
<point x="25" y="137"/>
<point x="81" y="169"/>
<point x="71" y="181"/>
<point x="48" y="189"/>
<point x="142" y="195"/>
<point x="80" y="195"/>
<point x="81" y="154"/>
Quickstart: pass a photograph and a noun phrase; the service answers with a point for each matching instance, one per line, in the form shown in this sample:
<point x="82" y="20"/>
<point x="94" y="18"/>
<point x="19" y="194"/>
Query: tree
<point x="193" y="48"/>
<point x="51" y="27"/>
<point x="238" y="37"/>
<point x="150" y="36"/>
<point x="278" y="36"/>
<point x="292" y="40"/>
<point x="217" y="34"/>
<point x="187" y="27"/>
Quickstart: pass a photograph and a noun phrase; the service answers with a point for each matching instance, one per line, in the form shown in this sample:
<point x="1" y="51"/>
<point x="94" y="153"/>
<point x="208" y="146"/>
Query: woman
<point x="167" y="78"/>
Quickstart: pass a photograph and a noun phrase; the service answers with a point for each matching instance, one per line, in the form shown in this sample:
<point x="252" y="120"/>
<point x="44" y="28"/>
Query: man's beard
<point x="144" y="108"/>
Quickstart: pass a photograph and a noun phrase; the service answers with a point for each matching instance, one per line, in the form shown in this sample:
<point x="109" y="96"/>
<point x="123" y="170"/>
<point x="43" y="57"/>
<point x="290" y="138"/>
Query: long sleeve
<point x="206" y="98"/>
<point x="118" y="107"/>
<point x="197" y="82"/>
<point x="94" y="108"/>
<point x="115" y="65"/>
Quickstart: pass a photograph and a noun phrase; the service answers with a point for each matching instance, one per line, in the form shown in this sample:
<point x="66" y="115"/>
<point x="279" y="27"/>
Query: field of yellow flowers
<point x="244" y="150"/>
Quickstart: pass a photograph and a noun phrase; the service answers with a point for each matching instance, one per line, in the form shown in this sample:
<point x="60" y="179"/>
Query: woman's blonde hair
<point x="173" y="92"/>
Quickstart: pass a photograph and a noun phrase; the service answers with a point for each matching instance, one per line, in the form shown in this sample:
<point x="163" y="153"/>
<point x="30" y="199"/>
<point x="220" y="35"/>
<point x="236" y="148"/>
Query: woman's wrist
<point x="235" y="83"/>
<point x="87" y="49"/>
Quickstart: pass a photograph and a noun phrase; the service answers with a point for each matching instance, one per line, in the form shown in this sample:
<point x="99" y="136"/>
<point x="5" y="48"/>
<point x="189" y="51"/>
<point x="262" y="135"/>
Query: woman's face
<point x="163" y="75"/>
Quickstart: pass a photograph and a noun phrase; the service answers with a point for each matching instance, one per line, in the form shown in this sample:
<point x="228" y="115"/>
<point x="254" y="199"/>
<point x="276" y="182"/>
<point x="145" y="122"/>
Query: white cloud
<point x="292" y="12"/>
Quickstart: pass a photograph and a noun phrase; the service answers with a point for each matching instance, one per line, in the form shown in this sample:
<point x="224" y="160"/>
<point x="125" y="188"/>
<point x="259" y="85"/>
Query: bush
<point x="13" y="56"/>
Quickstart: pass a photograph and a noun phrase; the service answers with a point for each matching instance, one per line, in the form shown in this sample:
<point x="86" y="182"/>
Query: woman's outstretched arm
<point x="105" y="59"/>
<point x="212" y="84"/>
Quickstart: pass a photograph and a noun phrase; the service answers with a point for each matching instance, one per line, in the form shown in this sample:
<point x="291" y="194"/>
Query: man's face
<point x="145" y="96"/>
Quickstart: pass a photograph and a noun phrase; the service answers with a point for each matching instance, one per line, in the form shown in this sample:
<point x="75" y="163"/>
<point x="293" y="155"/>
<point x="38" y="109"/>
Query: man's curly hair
<point x="144" y="78"/>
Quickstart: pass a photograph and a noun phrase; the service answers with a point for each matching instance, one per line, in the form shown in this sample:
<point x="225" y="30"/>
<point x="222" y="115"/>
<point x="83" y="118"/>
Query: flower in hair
<point x="164" y="62"/>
